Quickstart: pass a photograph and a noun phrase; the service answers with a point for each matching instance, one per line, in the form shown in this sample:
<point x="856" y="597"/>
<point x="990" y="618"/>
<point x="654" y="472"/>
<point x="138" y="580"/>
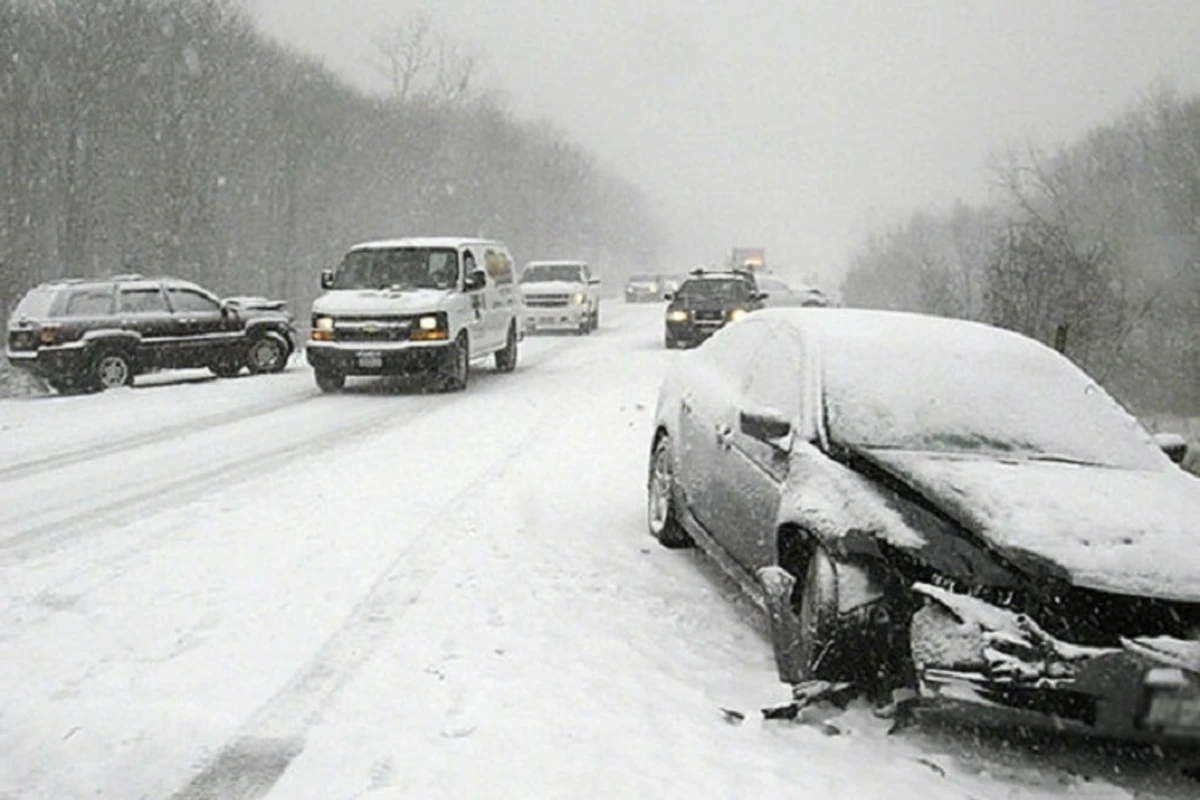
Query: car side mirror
<point x="765" y="425"/>
<point x="668" y="296"/>
<point x="326" y="279"/>
<point x="594" y="281"/>
<point x="475" y="281"/>
<point x="228" y="309"/>
<point x="1174" y="445"/>
<point x="760" y="296"/>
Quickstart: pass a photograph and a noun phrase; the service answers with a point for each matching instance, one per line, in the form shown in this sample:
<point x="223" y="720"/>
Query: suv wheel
<point x="225" y="367"/>
<point x="506" y="359"/>
<point x="266" y="353"/>
<point x="111" y="369"/>
<point x="330" y="381"/>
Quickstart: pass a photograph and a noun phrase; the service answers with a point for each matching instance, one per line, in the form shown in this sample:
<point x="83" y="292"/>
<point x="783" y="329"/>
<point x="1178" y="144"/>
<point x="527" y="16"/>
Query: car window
<point x="398" y="268"/>
<point x="499" y="265"/>
<point x="191" y="300"/>
<point x="143" y="300"/>
<point x="571" y="273"/>
<point x="776" y="374"/>
<point x="90" y="302"/>
<point x="719" y="290"/>
<point x="36" y="304"/>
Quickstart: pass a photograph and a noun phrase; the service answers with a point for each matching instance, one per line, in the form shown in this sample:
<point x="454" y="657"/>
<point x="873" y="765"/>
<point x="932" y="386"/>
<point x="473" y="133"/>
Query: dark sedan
<point x="938" y="508"/>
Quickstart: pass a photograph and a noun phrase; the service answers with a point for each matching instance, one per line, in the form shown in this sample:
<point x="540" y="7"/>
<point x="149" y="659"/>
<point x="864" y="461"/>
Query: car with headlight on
<point x="560" y="296"/>
<point x="705" y="302"/>
<point x="940" y="509"/>
<point x="643" y="288"/>
<point x="417" y="306"/>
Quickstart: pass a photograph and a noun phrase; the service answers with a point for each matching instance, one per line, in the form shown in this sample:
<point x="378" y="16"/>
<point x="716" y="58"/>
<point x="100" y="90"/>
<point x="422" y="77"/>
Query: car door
<point x="747" y="487"/>
<point x="143" y="309"/>
<point x="477" y="324"/>
<point x="205" y="333"/>
<point x="718" y="381"/>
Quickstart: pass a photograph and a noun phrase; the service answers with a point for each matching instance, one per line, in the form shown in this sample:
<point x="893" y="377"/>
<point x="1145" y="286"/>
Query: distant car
<point x="669" y="284"/>
<point x="419" y="306"/>
<point x="705" y="302"/>
<point x="943" y="507"/>
<point x="643" y="288"/>
<point x="560" y="295"/>
<point x="98" y="333"/>
<point x="779" y="294"/>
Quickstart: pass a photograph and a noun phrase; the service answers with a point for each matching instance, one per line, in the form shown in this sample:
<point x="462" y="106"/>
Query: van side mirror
<point x="1174" y="445"/>
<point x="326" y="279"/>
<point x="594" y="281"/>
<point x="475" y="281"/>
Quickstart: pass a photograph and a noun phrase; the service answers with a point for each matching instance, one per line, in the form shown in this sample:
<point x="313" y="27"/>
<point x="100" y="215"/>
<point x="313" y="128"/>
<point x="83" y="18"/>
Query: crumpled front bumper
<point x="970" y="653"/>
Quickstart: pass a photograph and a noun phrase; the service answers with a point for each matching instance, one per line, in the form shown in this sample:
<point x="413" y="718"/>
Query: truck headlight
<point x="678" y="315"/>
<point x="322" y="329"/>
<point x="580" y="299"/>
<point x="737" y="314"/>
<point x="428" y="323"/>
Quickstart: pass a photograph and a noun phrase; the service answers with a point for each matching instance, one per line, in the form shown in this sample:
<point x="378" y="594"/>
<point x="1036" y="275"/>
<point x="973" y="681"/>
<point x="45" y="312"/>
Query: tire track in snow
<point x="91" y="452"/>
<point x="249" y="765"/>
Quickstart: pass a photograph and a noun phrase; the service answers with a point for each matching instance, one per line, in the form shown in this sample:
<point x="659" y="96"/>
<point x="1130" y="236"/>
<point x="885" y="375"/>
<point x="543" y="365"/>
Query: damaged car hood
<point x="1131" y="532"/>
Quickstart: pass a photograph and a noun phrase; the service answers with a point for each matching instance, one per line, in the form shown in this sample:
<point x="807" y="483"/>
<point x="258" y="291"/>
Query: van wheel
<point x="457" y="365"/>
<point x="110" y="369"/>
<point x="330" y="381"/>
<point x="506" y="359"/>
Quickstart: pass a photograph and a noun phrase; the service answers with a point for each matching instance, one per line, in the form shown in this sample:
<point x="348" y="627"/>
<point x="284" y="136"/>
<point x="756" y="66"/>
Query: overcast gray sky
<point x="795" y="124"/>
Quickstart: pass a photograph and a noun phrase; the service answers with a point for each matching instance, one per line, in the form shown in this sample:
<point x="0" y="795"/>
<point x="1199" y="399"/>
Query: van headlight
<point x="322" y="329"/>
<point x="428" y="323"/>
<point x="324" y="324"/>
<point x="580" y="299"/>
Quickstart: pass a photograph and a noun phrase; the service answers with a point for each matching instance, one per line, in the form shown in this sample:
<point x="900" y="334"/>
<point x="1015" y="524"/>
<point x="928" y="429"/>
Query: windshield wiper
<point x="1057" y="458"/>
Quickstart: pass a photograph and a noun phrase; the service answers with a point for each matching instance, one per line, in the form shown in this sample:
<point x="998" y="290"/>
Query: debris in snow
<point x="811" y="693"/>
<point x="733" y="717"/>
<point x="933" y="766"/>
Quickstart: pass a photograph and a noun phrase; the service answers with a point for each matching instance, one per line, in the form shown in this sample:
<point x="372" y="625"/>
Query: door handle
<point x="725" y="436"/>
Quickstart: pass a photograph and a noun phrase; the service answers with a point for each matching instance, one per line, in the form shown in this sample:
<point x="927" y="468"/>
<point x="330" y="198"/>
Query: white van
<point x="418" y="305"/>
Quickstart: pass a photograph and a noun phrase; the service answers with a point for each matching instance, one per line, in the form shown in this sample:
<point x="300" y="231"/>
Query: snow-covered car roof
<point x="565" y="262"/>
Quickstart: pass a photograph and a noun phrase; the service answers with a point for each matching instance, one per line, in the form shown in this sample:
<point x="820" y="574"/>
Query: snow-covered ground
<point x="246" y="589"/>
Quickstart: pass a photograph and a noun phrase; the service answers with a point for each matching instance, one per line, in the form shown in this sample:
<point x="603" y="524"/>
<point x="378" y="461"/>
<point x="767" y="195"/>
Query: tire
<point x="585" y="327"/>
<point x="506" y="359"/>
<point x="225" y="368"/>
<point x="329" y="382"/>
<point x="596" y="319"/>
<point x="660" y="499"/>
<point x="815" y="605"/>
<point x="266" y="353"/>
<point x="111" y="369"/>
<point x="458" y="366"/>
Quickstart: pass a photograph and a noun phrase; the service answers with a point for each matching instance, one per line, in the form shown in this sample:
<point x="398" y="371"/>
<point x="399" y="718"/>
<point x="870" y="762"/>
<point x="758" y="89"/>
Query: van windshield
<point x="398" y="269"/>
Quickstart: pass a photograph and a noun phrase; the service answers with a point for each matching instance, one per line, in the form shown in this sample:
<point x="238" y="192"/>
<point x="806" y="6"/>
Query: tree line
<point x="172" y="137"/>
<point x="1094" y="246"/>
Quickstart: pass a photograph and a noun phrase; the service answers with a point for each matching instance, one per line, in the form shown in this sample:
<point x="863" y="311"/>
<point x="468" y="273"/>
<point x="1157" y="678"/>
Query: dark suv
<point x="94" y="334"/>
<point x="705" y="302"/>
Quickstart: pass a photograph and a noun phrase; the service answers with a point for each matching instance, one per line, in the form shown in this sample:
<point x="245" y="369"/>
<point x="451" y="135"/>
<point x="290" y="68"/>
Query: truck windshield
<point x="552" y="272"/>
<point x="398" y="269"/>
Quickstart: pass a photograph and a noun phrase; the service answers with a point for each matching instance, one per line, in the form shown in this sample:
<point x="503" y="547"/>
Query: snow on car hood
<point x="551" y="287"/>
<point x="1132" y="532"/>
<point x="380" y="301"/>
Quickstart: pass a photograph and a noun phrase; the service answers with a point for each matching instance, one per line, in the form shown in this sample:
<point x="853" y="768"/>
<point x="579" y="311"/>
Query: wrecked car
<point x="940" y="509"/>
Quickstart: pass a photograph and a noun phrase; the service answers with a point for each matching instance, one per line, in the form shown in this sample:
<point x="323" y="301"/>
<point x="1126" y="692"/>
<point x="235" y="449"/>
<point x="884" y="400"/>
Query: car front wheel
<point x="660" y="498"/>
<point x="457" y="367"/>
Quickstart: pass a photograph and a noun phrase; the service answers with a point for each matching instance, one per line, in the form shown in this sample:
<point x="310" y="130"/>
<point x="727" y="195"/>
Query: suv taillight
<point x="49" y="334"/>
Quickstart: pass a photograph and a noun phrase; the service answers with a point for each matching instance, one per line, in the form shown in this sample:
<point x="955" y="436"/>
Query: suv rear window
<point x="35" y="305"/>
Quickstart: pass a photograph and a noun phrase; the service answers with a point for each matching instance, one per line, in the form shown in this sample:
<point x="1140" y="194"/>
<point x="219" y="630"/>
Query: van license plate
<point x="370" y="360"/>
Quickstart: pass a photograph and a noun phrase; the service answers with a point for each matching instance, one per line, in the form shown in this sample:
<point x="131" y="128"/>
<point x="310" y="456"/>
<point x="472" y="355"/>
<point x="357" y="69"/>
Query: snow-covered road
<point x="246" y="589"/>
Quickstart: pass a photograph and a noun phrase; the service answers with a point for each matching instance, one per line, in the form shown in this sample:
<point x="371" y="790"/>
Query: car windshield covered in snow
<point x="970" y="396"/>
<point x="398" y="268"/>
<point x="718" y="290"/>
<point x="543" y="273"/>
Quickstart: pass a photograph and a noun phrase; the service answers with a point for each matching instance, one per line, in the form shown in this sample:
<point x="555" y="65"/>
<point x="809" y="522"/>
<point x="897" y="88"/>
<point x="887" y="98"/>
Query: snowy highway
<point x="247" y="589"/>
